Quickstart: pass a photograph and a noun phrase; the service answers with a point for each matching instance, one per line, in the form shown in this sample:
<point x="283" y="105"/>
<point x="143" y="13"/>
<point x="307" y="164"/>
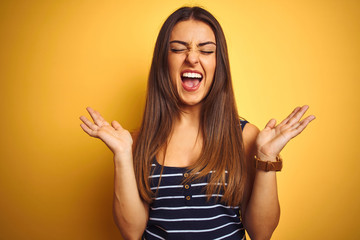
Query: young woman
<point x="195" y="170"/>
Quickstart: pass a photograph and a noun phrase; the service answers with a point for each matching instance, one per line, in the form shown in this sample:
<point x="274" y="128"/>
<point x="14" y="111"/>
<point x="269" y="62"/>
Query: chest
<point x="183" y="149"/>
<point x="172" y="186"/>
<point x="182" y="211"/>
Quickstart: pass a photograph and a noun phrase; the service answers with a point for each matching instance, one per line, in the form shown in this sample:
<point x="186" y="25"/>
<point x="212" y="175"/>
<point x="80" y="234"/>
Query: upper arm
<point x="146" y="208"/>
<point x="134" y="135"/>
<point x="250" y="133"/>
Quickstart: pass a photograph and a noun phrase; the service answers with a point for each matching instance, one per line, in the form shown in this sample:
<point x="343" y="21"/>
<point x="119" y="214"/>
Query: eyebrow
<point x="187" y="44"/>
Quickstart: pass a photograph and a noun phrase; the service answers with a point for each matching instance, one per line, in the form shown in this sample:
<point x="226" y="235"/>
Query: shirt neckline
<point x="173" y="167"/>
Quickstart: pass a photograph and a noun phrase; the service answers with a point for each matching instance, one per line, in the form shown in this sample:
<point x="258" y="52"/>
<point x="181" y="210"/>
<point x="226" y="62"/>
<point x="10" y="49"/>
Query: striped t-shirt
<point x="182" y="211"/>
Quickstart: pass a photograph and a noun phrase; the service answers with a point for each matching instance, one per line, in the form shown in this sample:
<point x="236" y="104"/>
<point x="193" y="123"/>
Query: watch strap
<point x="268" y="165"/>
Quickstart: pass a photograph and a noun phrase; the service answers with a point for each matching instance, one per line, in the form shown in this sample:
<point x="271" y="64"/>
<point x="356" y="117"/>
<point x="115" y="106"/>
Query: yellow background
<point x="58" y="57"/>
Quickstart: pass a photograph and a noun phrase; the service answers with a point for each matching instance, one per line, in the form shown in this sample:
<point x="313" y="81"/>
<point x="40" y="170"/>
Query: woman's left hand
<point x="272" y="139"/>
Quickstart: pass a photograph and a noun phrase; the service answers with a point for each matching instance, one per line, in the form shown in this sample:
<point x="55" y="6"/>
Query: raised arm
<point x="261" y="210"/>
<point x="130" y="212"/>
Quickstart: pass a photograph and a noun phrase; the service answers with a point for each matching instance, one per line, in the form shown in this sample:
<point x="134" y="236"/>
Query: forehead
<point x="192" y="31"/>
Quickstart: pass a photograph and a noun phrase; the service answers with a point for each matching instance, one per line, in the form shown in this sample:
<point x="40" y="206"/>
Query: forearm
<point x="130" y="213"/>
<point x="263" y="210"/>
<point x="260" y="208"/>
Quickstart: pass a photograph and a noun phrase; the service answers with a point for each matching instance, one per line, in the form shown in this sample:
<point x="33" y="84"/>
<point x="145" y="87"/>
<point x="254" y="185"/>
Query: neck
<point x="184" y="143"/>
<point x="190" y="115"/>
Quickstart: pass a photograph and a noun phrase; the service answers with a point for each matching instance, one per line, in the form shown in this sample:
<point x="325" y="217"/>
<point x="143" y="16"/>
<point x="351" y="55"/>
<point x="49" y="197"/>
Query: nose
<point x="192" y="57"/>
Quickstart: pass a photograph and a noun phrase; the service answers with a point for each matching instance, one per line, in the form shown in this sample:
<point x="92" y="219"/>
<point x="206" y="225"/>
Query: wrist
<point x="265" y="165"/>
<point x="122" y="160"/>
<point x="266" y="157"/>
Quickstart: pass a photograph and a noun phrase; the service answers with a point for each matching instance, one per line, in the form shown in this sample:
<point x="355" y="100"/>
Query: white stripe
<point x="173" y="174"/>
<point x="169" y="197"/>
<point x="153" y="165"/>
<point x="155" y="235"/>
<point x="198" y="184"/>
<point x="166" y="175"/>
<point x="192" y="219"/>
<point x="170" y="186"/>
<point x="227" y="235"/>
<point x="203" y="230"/>
<point x="204" y="184"/>
<point x="205" y="195"/>
<point x="215" y="171"/>
<point x="192" y="207"/>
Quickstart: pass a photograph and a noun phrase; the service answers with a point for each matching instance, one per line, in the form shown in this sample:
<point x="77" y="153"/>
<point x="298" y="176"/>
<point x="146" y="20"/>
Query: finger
<point x="87" y="130"/>
<point x="302" y="125"/>
<point x="285" y="121"/>
<point x="101" y="118"/>
<point x="271" y="124"/>
<point x="296" y="118"/>
<point x="306" y="121"/>
<point x="98" y="119"/>
<point x="88" y="123"/>
<point x="296" y="125"/>
<point x="116" y="125"/>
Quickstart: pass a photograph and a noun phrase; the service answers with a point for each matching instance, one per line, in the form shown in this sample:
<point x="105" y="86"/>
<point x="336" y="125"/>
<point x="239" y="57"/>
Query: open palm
<point x="113" y="135"/>
<point x="273" y="138"/>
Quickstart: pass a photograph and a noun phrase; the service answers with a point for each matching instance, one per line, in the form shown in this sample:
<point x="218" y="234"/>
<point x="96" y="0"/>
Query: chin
<point x="190" y="98"/>
<point x="190" y="102"/>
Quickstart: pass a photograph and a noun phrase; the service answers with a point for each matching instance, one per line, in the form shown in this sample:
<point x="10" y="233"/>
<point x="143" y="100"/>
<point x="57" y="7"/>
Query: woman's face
<point x="192" y="60"/>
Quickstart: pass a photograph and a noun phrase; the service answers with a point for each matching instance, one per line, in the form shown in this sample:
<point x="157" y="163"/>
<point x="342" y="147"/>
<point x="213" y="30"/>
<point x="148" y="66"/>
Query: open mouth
<point x="191" y="80"/>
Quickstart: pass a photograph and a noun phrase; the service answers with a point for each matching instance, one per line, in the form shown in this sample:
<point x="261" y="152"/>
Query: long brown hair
<point x="219" y="122"/>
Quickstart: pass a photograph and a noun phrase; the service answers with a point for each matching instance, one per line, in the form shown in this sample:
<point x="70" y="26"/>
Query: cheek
<point x="174" y="65"/>
<point x="210" y="67"/>
<point x="172" y="69"/>
<point x="210" y="70"/>
<point x="174" y="72"/>
<point x="213" y="64"/>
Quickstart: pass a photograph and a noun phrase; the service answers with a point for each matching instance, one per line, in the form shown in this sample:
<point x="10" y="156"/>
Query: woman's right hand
<point x="114" y="136"/>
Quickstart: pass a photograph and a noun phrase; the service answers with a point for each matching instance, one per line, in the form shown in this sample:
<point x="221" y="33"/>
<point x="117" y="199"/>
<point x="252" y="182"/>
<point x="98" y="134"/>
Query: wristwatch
<point x="268" y="165"/>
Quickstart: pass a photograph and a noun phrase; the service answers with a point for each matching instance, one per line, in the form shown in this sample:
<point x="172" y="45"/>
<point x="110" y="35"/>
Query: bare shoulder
<point x="135" y="134"/>
<point x="250" y="133"/>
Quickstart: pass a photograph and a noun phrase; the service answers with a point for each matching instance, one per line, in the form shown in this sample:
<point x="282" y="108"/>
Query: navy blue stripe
<point x="180" y="212"/>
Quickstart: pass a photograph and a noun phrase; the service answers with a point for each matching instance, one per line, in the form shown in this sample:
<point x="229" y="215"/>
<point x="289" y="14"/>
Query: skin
<point x="129" y="211"/>
<point x="195" y="52"/>
<point x="260" y="209"/>
<point x="192" y="47"/>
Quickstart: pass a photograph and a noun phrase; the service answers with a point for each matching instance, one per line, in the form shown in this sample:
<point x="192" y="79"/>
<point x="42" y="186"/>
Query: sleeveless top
<point x="181" y="212"/>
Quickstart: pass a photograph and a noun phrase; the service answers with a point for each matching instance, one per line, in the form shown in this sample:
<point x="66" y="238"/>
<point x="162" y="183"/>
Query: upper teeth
<point x="191" y="75"/>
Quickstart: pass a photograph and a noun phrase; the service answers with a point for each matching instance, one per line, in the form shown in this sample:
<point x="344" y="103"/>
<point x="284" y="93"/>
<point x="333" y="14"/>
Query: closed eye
<point x="207" y="52"/>
<point x="177" y="50"/>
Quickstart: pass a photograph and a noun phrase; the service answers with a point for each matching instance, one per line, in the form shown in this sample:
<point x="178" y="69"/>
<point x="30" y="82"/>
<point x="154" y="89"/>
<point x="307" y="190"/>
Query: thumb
<point x="116" y="125"/>
<point x="271" y="124"/>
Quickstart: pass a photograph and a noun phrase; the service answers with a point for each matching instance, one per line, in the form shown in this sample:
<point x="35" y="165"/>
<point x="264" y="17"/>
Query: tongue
<point x="191" y="82"/>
